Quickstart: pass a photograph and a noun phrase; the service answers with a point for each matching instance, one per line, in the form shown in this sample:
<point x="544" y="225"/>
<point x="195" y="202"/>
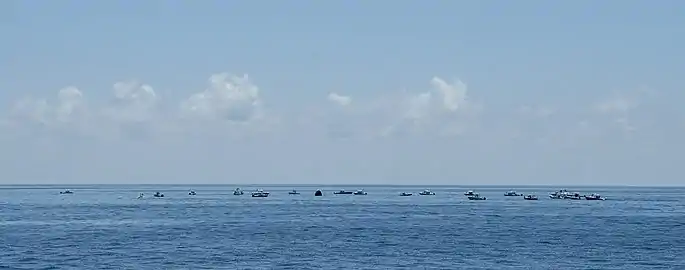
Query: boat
<point x="294" y="192"/>
<point x="66" y="192"/>
<point x="594" y="197"/>
<point x="560" y="194"/>
<point x="192" y="193"/>
<point x="574" y="196"/>
<point x="512" y="193"/>
<point x="238" y="191"/>
<point x="530" y="197"/>
<point x="141" y="195"/>
<point x="342" y="191"/>
<point x="469" y="193"/>
<point x="360" y="192"/>
<point x="404" y="194"/>
<point x="158" y="195"/>
<point x="318" y="193"/>
<point x="476" y="197"/>
<point x="260" y="193"/>
<point x="427" y="192"/>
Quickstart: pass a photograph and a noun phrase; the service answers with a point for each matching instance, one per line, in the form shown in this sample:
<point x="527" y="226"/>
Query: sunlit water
<point x="106" y="227"/>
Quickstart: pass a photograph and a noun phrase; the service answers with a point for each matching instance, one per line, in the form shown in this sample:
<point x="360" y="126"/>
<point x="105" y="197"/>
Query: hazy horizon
<point x="403" y="93"/>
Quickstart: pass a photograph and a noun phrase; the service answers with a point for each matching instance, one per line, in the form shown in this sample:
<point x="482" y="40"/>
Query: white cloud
<point x="228" y="98"/>
<point x="339" y="99"/>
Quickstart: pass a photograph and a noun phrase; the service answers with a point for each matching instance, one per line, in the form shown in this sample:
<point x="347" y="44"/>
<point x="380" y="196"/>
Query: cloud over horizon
<point x="445" y="125"/>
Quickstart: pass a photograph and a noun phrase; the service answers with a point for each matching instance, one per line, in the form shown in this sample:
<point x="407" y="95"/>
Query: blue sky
<point x="402" y="92"/>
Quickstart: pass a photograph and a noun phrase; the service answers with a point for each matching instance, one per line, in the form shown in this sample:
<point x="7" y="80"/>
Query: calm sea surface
<point x="106" y="227"/>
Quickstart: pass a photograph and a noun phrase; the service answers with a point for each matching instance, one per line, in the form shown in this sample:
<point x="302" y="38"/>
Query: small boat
<point x="238" y="191"/>
<point x="575" y="196"/>
<point x="192" y="193"/>
<point x="476" y="197"/>
<point x="318" y="193"/>
<point x="360" y="192"/>
<point x="469" y="193"/>
<point x="512" y="193"/>
<point x="427" y="192"/>
<point x="260" y="193"/>
<point x="530" y="197"/>
<point x="294" y="192"/>
<point x="342" y="191"/>
<point x="158" y="195"/>
<point x="594" y="197"/>
<point x="66" y="192"/>
<point x="141" y="195"/>
<point x="560" y="194"/>
<point x="404" y="194"/>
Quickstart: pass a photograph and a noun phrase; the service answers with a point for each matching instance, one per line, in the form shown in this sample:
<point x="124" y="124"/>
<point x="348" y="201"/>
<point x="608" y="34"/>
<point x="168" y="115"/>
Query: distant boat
<point x="294" y="192"/>
<point x="140" y="196"/>
<point x="427" y="192"/>
<point x="404" y="194"/>
<point x="192" y="193"/>
<point x="530" y="197"/>
<point x="512" y="193"/>
<point x="469" y="193"/>
<point x="158" y="195"/>
<point x="476" y="197"/>
<point x="560" y="194"/>
<point x="238" y="191"/>
<point x="594" y="197"/>
<point x="360" y="192"/>
<point x="260" y="193"/>
<point x="66" y="192"/>
<point x="318" y="193"/>
<point x="342" y="191"/>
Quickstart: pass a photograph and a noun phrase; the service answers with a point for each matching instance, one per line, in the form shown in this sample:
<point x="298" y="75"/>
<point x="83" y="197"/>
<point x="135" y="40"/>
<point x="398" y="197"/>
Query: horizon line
<point x="346" y="185"/>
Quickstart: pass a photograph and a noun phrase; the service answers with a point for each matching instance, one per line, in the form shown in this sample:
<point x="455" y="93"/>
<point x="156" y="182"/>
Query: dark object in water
<point x="318" y="193"/>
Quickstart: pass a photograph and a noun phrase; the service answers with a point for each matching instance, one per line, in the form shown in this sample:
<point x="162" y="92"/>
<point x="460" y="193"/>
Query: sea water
<point x="107" y="227"/>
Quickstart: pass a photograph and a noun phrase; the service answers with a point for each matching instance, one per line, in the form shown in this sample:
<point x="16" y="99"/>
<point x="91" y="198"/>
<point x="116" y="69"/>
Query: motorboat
<point x="476" y="197"/>
<point x="158" y="195"/>
<point x="560" y="194"/>
<point x="574" y="196"/>
<point x="66" y="192"/>
<point x="141" y="195"/>
<point x="342" y="191"/>
<point x="192" y="193"/>
<point x="404" y="194"/>
<point x="594" y="197"/>
<point x="530" y="197"/>
<point x="260" y="193"/>
<point x="427" y="192"/>
<point x="294" y="192"/>
<point x="512" y="193"/>
<point x="360" y="192"/>
<point x="238" y="191"/>
<point x="318" y="193"/>
<point x="469" y="193"/>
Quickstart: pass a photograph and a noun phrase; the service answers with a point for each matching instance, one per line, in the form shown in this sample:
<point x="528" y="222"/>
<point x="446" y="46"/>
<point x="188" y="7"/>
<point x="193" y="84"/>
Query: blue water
<point x="106" y="227"/>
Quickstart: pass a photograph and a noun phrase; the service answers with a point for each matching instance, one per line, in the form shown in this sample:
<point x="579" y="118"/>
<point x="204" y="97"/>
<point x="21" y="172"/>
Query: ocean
<point x="107" y="227"/>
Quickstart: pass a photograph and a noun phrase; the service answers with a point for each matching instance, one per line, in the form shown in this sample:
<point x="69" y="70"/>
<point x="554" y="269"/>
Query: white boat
<point x="192" y="193"/>
<point x="512" y="193"/>
<point x="594" y="197"/>
<point x="469" y="193"/>
<point x="238" y="191"/>
<point x="427" y="192"/>
<point x="260" y="193"/>
<point x="360" y="192"/>
<point x="66" y="192"/>
<point x="294" y="192"/>
<point x="405" y="194"/>
<point x="476" y="197"/>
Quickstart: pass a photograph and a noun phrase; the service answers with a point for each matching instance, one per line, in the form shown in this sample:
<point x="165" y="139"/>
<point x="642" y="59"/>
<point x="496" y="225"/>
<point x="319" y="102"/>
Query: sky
<point x="342" y="92"/>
